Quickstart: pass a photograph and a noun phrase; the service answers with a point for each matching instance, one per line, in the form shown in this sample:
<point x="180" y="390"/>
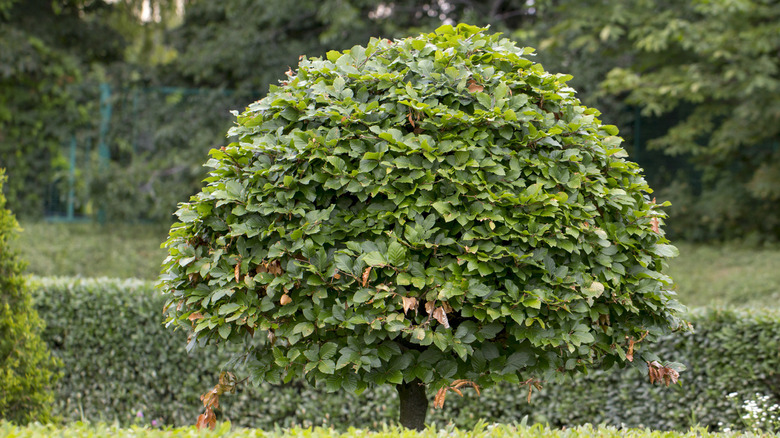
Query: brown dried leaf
<point x="195" y="316"/>
<point x="441" y="316"/>
<point x="463" y="382"/>
<point x="675" y="376"/>
<point x="366" y="274"/>
<point x="457" y="391"/>
<point x="654" y="222"/>
<point x="653" y="371"/>
<point x="474" y="87"/>
<point x="409" y="303"/>
<point x="285" y="300"/>
<point x="429" y="306"/>
<point x="211" y="399"/>
<point x="207" y="419"/>
<point x="438" y="401"/>
<point x="237" y="272"/>
<point x="531" y="383"/>
<point x="411" y="120"/>
<point x="630" y="354"/>
<point x="447" y="308"/>
<point x="659" y="373"/>
<point x="227" y="380"/>
<point x="336" y="275"/>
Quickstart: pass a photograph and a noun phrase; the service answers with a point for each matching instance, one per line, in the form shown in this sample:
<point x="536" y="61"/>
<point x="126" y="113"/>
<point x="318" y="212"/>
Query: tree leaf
<point x="375" y="258"/>
<point x="396" y="254"/>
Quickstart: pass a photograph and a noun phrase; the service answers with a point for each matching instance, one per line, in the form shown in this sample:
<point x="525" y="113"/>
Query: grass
<point x="89" y="250"/>
<point x="711" y="275"/>
<point x="482" y="430"/>
<point x="704" y="274"/>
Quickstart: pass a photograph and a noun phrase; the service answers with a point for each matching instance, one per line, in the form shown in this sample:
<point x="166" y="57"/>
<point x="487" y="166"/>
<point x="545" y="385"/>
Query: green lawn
<point x="704" y="274"/>
<point x="89" y="250"/>
<point x="709" y="275"/>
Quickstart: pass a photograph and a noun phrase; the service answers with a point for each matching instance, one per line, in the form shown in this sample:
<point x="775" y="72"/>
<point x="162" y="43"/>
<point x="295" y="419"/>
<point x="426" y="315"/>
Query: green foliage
<point x="117" y="363"/>
<point x="35" y="106"/>
<point x="704" y="274"/>
<point x="26" y="367"/>
<point x="432" y="208"/>
<point x="713" y="66"/>
<point x="229" y="32"/>
<point x="158" y="141"/>
<point x="46" y="49"/>
<point x="118" y="359"/>
<point x="482" y="430"/>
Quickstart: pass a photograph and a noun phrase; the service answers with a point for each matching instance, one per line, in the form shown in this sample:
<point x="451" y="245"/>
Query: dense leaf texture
<point x="118" y="363"/>
<point x="447" y="168"/>
<point x="711" y="68"/>
<point x="26" y="367"/>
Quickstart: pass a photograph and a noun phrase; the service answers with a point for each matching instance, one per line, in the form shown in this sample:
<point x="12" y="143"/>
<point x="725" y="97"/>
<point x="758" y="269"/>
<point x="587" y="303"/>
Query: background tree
<point x="27" y="370"/>
<point x="53" y="56"/>
<point x="710" y="67"/>
<point x="431" y="211"/>
<point x="38" y="109"/>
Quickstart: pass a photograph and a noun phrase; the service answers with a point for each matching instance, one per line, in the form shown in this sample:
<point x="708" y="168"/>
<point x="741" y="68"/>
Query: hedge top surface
<point x="431" y="208"/>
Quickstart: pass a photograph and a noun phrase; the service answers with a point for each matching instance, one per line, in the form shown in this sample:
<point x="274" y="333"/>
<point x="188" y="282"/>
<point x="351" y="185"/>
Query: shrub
<point x="226" y="431"/>
<point x="119" y="359"/>
<point x="26" y="367"/>
<point x="434" y="211"/>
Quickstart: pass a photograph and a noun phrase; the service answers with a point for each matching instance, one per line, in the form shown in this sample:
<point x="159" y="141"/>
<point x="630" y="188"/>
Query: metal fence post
<point x="72" y="179"/>
<point x="104" y="153"/>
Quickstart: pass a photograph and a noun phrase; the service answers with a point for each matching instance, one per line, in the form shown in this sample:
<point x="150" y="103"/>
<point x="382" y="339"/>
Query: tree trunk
<point x="414" y="404"/>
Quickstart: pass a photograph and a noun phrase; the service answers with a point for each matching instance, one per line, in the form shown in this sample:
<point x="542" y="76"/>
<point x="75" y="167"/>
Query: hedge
<point x="481" y="430"/>
<point x="120" y="360"/>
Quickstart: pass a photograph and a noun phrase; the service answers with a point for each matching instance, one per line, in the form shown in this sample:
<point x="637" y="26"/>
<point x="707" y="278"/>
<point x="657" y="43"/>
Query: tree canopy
<point x="695" y="82"/>
<point x="436" y="209"/>
<point x="712" y="67"/>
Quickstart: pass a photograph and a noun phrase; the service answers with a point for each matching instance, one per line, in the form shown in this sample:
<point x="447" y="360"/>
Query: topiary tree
<point x="27" y="369"/>
<point x="430" y="213"/>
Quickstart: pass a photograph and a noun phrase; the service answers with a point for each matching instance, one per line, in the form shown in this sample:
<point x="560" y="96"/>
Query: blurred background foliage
<point x="108" y="108"/>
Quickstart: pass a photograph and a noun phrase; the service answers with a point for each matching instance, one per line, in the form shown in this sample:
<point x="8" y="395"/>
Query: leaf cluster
<point x="432" y="208"/>
<point x="118" y="359"/>
<point x="710" y="69"/>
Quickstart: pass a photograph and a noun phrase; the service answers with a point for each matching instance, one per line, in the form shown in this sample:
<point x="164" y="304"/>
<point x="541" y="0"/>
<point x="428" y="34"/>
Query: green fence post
<point x="104" y="154"/>
<point x="72" y="178"/>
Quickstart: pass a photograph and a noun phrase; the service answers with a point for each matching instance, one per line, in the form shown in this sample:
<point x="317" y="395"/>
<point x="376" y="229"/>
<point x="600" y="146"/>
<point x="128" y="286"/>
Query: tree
<point x="53" y="56"/>
<point x="712" y="67"/>
<point x="272" y="34"/>
<point x="430" y="213"/>
<point x="45" y="52"/>
<point x="27" y="370"/>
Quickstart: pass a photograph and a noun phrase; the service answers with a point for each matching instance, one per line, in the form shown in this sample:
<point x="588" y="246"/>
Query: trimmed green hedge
<point x="481" y="430"/>
<point x="120" y="360"/>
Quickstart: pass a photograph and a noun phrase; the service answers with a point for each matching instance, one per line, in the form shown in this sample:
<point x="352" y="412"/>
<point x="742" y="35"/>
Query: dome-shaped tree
<point x="418" y="212"/>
